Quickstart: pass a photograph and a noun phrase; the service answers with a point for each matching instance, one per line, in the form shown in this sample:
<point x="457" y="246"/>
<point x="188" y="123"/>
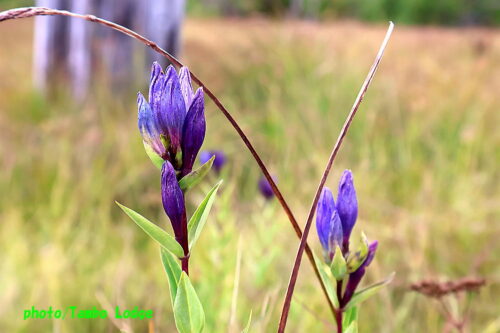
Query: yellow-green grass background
<point x="424" y="149"/>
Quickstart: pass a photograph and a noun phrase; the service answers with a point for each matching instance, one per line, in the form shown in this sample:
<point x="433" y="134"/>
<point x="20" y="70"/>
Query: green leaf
<point x="173" y="270"/>
<point x="153" y="156"/>
<point x="364" y="294"/>
<point x="338" y="266"/>
<point x="352" y="328"/>
<point x="194" y="177"/>
<point x="199" y="218"/>
<point x="249" y="322"/>
<point x="328" y="280"/>
<point x="154" y="231"/>
<point x="188" y="311"/>
<point x="350" y="316"/>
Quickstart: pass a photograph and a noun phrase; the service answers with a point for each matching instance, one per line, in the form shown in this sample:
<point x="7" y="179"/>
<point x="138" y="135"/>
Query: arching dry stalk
<point x="19" y="13"/>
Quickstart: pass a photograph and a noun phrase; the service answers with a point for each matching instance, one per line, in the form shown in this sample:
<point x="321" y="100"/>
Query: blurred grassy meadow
<point x="424" y="149"/>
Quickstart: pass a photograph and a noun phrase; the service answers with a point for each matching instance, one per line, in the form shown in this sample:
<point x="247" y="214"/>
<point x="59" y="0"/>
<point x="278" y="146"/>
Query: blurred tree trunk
<point x="296" y="8"/>
<point x="163" y="25"/>
<point x="70" y="50"/>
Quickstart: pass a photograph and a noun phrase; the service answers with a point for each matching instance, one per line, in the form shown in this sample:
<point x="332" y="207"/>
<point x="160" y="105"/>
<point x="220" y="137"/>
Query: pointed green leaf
<point x="338" y="266"/>
<point x="154" y="231"/>
<point x="249" y="322"/>
<point x="188" y="311"/>
<point x="350" y="316"/>
<point x="352" y="328"/>
<point x="364" y="294"/>
<point x="173" y="270"/>
<point x="194" y="177"/>
<point x="328" y="280"/>
<point x="153" y="156"/>
<point x="199" y="218"/>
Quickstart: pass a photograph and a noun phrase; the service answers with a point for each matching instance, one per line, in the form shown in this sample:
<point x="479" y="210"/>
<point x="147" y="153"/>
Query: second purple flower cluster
<point x="334" y="223"/>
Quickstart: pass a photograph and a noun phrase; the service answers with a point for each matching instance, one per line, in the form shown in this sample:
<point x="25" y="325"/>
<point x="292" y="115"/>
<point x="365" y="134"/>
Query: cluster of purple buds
<point x="172" y="125"/>
<point x="334" y="223"/>
<point x="219" y="160"/>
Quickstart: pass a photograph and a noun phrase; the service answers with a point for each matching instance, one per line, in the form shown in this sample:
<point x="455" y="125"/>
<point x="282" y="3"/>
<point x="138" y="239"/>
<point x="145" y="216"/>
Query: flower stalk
<point x="333" y="155"/>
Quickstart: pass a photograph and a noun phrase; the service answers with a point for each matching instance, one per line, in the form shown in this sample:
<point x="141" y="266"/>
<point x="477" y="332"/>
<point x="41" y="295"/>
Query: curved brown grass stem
<point x="26" y="12"/>
<point x="340" y="139"/>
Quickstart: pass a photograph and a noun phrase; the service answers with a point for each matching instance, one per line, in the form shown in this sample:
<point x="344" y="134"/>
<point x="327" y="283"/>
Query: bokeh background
<point x="424" y="149"/>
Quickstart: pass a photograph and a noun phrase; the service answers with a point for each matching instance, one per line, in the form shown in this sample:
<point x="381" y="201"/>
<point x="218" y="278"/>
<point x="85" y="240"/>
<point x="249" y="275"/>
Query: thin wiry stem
<point x="342" y="134"/>
<point x="26" y="12"/>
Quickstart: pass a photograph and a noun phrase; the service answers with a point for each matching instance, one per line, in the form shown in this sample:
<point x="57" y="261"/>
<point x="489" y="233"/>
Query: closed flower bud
<point x="347" y="206"/>
<point x="173" y="200"/>
<point x="172" y="123"/>
<point x="328" y="224"/>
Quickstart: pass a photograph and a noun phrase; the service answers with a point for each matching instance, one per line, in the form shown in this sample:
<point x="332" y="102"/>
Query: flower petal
<point x="336" y="236"/>
<point x="186" y="87"/>
<point x="155" y="86"/>
<point x="324" y="214"/>
<point x="172" y="198"/>
<point x="172" y="110"/>
<point x="194" y="131"/>
<point x="347" y="204"/>
<point x="372" y="248"/>
<point x="147" y="125"/>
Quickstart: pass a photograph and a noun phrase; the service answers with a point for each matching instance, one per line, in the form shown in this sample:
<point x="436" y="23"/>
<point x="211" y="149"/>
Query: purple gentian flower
<point x="172" y="123"/>
<point x="265" y="188"/>
<point x="328" y="224"/>
<point x="347" y="205"/>
<point x="329" y="214"/>
<point x="219" y="161"/>
<point x="356" y="276"/>
<point x="173" y="202"/>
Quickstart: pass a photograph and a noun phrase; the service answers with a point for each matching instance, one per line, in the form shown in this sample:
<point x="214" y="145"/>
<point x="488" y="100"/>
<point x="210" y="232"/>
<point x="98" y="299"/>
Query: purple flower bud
<point x="173" y="199"/>
<point x="219" y="161"/>
<point x="148" y="127"/>
<point x="265" y="188"/>
<point x="194" y="132"/>
<point x="352" y="284"/>
<point x="175" y="113"/>
<point x="355" y="277"/>
<point x="172" y="110"/>
<point x="347" y="205"/>
<point x="328" y="224"/>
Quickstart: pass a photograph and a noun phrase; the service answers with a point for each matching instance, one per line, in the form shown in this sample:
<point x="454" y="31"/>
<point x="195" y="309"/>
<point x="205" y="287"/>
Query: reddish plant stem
<point x="185" y="264"/>
<point x="340" y="310"/>
<point x="338" y="320"/>
<point x="184" y="242"/>
<point x="19" y="13"/>
<point x="340" y="139"/>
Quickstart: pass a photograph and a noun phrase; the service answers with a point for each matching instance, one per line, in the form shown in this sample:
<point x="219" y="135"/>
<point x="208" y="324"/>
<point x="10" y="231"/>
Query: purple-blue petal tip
<point x="347" y="204"/>
<point x="194" y="131"/>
